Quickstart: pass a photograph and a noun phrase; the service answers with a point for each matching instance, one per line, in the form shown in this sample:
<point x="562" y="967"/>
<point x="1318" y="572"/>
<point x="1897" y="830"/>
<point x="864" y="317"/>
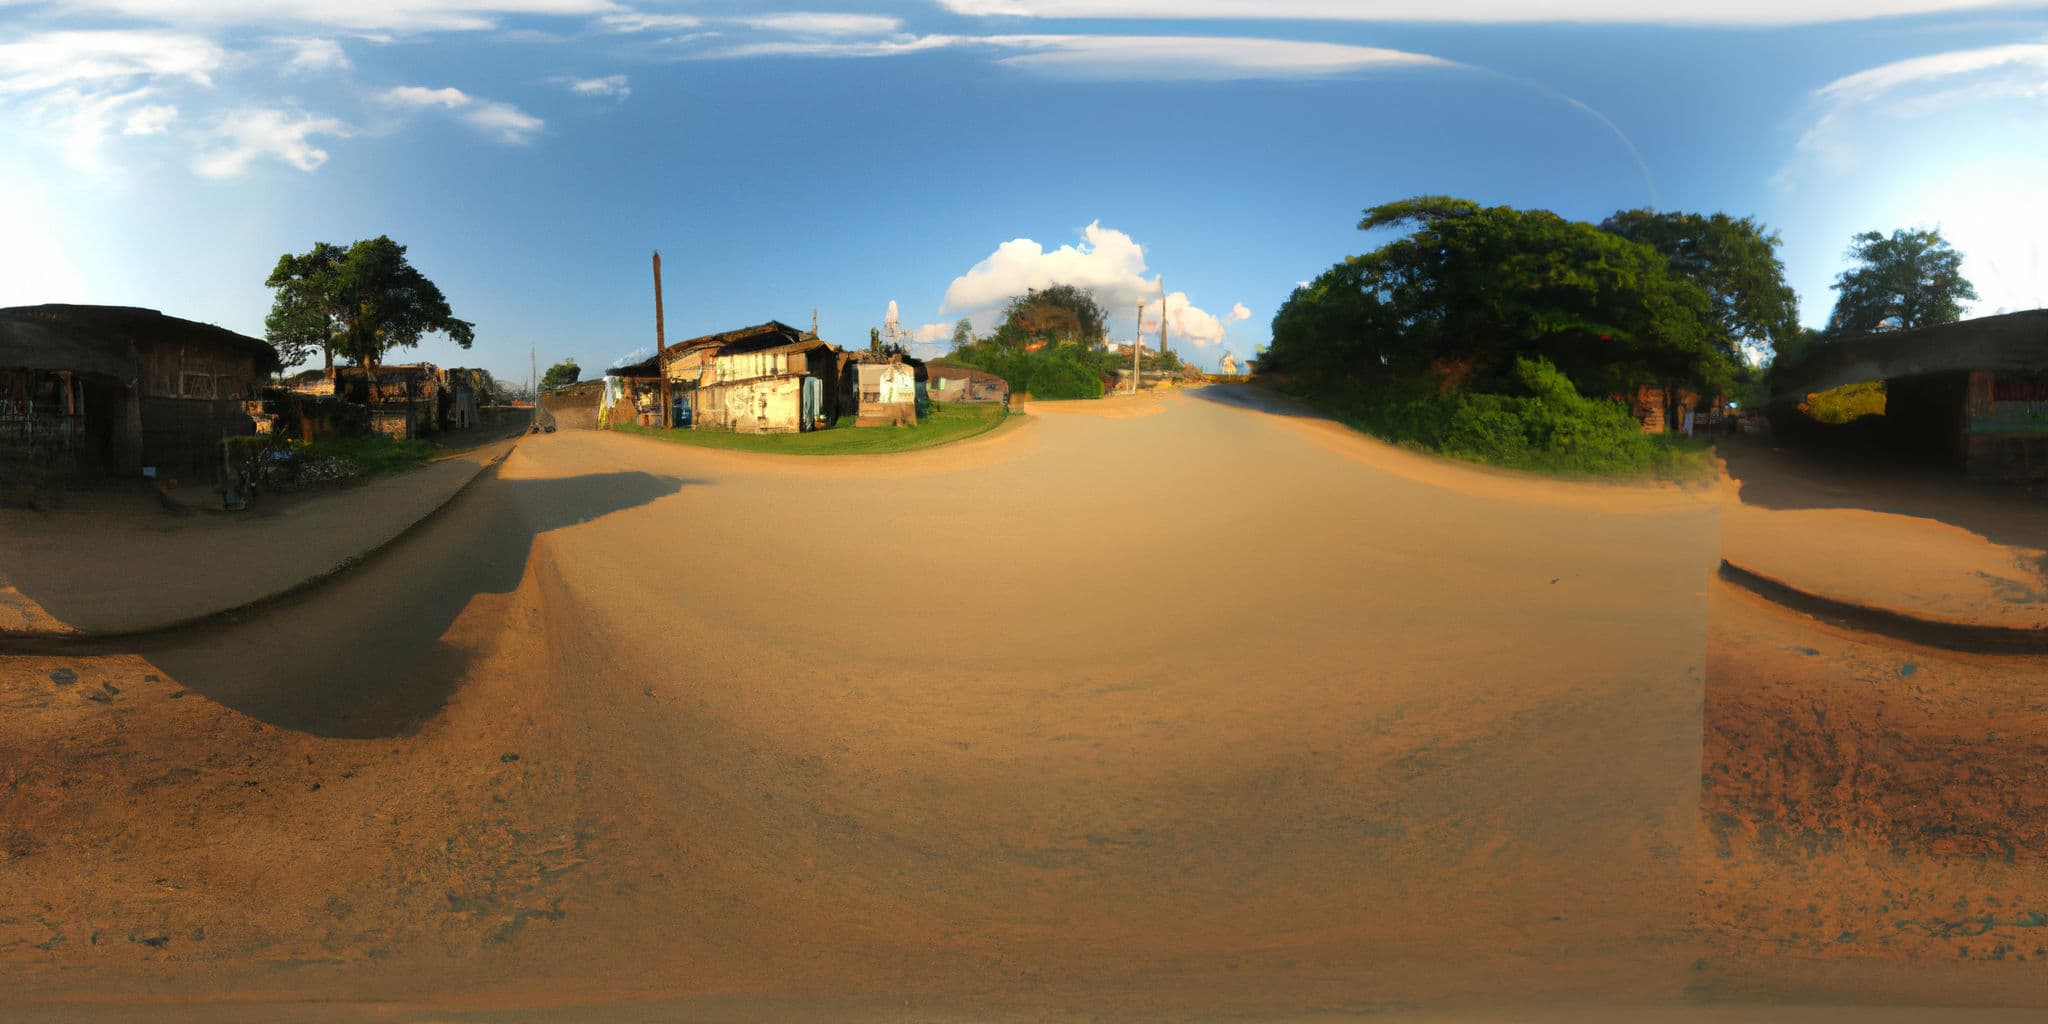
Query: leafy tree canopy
<point x="963" y="333"/>
<point x="1471" y="290"/>
<point x="1735" y="260"/>
<point x="1911" y="279"/>
<point x="358" y="302"/>
<point x="562" y="373"/>
<point x="1060" y="313"/>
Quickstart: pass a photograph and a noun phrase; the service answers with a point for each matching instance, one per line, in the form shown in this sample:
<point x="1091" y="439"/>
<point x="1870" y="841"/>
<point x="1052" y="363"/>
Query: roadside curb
<point x="1973" y="638"/>
<point x="40" y="641"/>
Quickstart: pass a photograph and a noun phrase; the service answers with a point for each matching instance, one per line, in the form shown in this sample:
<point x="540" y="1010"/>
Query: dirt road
<point x="1193" y="714"/>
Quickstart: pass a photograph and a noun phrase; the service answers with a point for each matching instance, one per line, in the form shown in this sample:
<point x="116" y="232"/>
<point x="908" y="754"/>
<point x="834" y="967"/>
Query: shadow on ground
<point x="1781" y="476"/>
<point x="364" y="656"/>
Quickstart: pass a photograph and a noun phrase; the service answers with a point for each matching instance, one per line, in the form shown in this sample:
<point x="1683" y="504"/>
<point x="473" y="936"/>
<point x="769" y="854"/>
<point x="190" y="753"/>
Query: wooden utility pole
<point x="1137" y="343"/>
<point x="661" y="347"/>
<point x="1162" y="316"/>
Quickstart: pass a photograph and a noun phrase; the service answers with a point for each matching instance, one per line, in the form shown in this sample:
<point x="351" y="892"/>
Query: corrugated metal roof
<point x="96" y="339"/>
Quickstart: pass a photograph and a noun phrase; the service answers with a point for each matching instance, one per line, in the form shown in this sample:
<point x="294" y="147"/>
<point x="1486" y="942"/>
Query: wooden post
<point x="661" y="348"/>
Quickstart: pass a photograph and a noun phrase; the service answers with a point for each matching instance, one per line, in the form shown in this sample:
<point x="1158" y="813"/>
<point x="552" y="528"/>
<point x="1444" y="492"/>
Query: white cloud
<point x="807" y="23"/>
<point x="836" y="48"/>
<point x="1865" y="86"/>
<point x="1185" y="323"/>
<point x="352" y="15"/>
<point x="1197" y="57"/>
<point x="1855" y="109"/>
<point x="609" y="85"/>
<point x="930" y="333"/>
<point x="421" y="96"/>
<point x="52" y="60"/>
<point x="244" y="135"/>
<point x="154" y="119"/>
<point x="315" y="55"/>
<point x="635" y="21"/>
<point x="1724" y="12"/>
<point x="1107" y="264"/>
<point x="1120" y="57"/>
<point x="507" y="122"/>
<point x="1239" y="312"/>
<point x="630" y="358"/>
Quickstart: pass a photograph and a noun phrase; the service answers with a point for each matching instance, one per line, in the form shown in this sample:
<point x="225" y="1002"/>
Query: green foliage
<point x="1472" y="290"/>
<point x="1543" y="423"/>
<point x="1052" y="372"/>
<point x="359" y="302"/>
<point x="1911" y="279"/>
<point x="963" y="333"/>
<point x="563" y="373"/>
<point x="1734" y="260"/>
<point x="1062" y="314"/>
<point x="1846" y="403"/>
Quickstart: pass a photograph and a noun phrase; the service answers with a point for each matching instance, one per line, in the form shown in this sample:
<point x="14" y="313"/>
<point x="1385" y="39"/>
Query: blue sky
<point x="942" y="154"/>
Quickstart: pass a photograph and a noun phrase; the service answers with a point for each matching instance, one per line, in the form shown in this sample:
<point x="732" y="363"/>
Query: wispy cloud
<point x="1681" y="12"/>
<point x="1118" y="56"/>
<point x="51" y="60"/>
<point x="315" y="55"/>
<point x="609" y="85"/>
<point x="351" y="15"/>
<point x="243" y="136"/>
<point x="811" y="23"/>
<point x="503" y="120"/>
<point x="1849" y="109"/>
<point x="154" y="119"/>
<point x="636" y="21"/>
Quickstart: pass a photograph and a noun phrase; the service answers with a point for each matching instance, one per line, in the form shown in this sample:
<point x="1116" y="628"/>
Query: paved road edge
<point x="34" y="641"/>
<point x="1969" y="637"/>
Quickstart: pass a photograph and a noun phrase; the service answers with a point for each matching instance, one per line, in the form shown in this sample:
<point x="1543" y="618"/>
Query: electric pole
<point x="1137" y="342"/>
<point x="661" y="347"/>
<point x="1162" y="316"/>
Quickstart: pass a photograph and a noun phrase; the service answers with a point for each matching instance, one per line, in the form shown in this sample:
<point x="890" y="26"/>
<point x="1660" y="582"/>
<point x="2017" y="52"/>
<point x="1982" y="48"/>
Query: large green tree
<point x="1735" y="260"/>
<point x="1060" y="313"/>
<point x="563" y="373"/>
<point x="358" y="303"/>
<point x="1471" y="290"/>
<point x="1912" y="278"/>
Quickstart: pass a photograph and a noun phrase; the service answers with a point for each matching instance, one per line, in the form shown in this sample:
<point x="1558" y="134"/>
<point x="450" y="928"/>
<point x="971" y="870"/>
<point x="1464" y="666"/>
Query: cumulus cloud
<point x="503" y="120"/>
<point x="931" y="333"/>
<point x="311" y="56"/>
<point x="1724" y="12"/>
<point x="1185" y="322"/>
<point x="1107" y="263"/>
<point x="1239" y="312"/>
<point x="243" y="136"/>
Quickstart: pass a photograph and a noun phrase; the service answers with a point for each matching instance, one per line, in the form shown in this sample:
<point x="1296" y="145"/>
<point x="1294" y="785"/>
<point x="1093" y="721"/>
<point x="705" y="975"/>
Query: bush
<point x="1544" y="425"/>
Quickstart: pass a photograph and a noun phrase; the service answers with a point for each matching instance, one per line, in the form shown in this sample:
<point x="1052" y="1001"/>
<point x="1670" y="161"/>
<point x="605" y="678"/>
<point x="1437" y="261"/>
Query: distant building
<point x="964" y="384"/>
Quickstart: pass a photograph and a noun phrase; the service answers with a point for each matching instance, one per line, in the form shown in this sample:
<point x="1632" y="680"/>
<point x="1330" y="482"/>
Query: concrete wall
<point x="770" y="406"/>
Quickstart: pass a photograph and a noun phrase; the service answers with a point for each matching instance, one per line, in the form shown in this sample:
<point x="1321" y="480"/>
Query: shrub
<point x="1543" y="424"/>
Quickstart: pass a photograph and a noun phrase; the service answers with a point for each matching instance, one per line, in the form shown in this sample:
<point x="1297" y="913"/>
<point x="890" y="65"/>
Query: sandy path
<point x="1121" y="717"/>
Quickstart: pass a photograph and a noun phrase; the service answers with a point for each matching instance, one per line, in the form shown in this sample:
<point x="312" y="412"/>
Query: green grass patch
<point x="948" y="422"/>
<point x="1846" y="403"/>
<point x="377" y="456"/>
